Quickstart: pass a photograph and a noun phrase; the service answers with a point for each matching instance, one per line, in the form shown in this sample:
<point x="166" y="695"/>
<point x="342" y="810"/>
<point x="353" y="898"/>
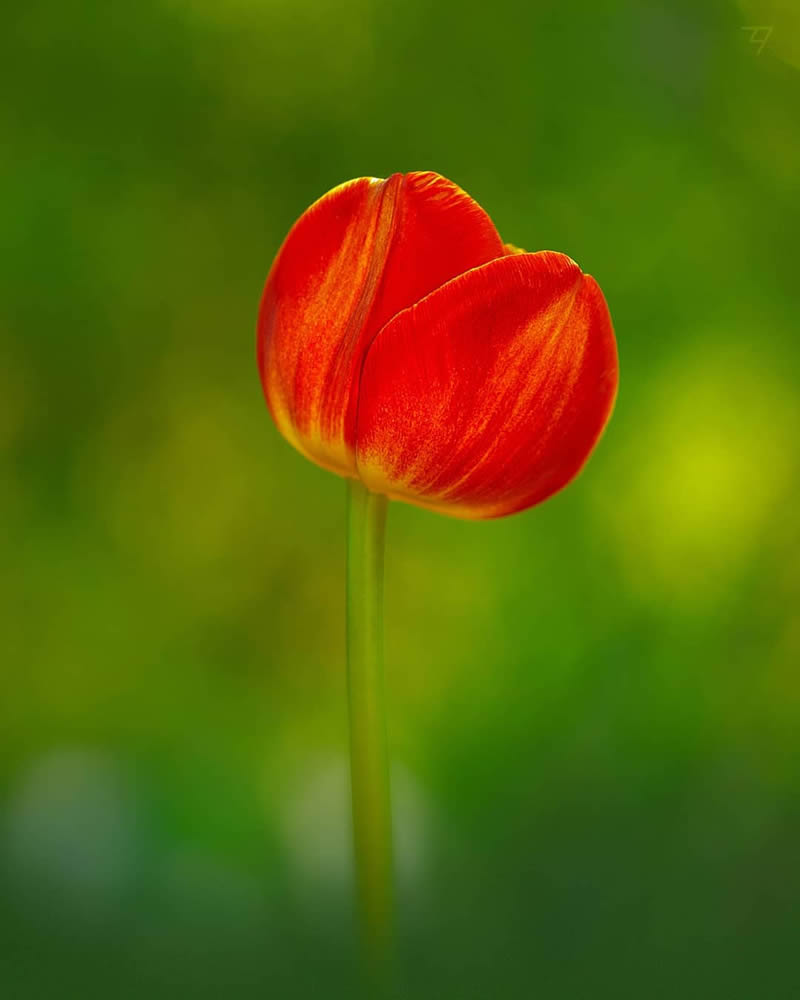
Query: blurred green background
<point x="594" y="705"/>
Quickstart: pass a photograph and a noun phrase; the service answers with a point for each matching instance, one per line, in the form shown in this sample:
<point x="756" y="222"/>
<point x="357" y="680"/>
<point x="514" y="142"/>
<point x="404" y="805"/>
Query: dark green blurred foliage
<point x="594" y="705"/>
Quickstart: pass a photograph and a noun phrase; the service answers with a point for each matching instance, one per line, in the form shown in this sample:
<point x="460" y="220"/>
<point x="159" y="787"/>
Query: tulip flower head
<point x="402" y="343"/>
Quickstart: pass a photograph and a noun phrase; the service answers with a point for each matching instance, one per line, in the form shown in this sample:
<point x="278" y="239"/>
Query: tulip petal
<point x="488" y="396"/>
<point x="365" y="251"/>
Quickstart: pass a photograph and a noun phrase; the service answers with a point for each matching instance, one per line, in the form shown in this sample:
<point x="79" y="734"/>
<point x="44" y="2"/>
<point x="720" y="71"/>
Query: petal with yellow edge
<point x="487" y="396"/>
<point x="365" y="251"/>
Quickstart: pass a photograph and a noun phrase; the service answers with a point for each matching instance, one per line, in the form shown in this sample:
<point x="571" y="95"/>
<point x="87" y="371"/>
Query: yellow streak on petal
<point x="373" y="475"/>
<point x="515" y="383"/>
<point x="332" y="307"/>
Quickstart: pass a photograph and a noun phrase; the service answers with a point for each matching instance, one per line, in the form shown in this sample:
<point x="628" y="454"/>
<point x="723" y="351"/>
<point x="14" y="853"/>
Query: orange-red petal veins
<point x="365" y="251"/>
<point x="488" y="396"/>
<point x="321" y="281"/>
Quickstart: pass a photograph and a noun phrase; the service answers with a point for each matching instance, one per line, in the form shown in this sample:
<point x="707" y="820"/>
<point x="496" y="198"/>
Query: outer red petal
<point x="365" y="251"/>
<point x="488" y="395"/>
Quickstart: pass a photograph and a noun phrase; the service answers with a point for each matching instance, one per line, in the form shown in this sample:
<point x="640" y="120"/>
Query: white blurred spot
<point x="69" y="830"/>
<point x="317" y="827"/>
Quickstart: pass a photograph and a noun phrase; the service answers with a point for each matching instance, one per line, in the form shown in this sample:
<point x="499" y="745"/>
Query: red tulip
<point x="402" y="343"/>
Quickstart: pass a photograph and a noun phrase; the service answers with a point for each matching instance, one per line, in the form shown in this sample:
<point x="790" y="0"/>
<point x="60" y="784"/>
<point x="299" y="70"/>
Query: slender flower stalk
<point x="369" y="763"/>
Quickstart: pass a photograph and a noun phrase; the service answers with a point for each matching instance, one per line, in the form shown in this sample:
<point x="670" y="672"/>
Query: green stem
<point x="369" y="764"/>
